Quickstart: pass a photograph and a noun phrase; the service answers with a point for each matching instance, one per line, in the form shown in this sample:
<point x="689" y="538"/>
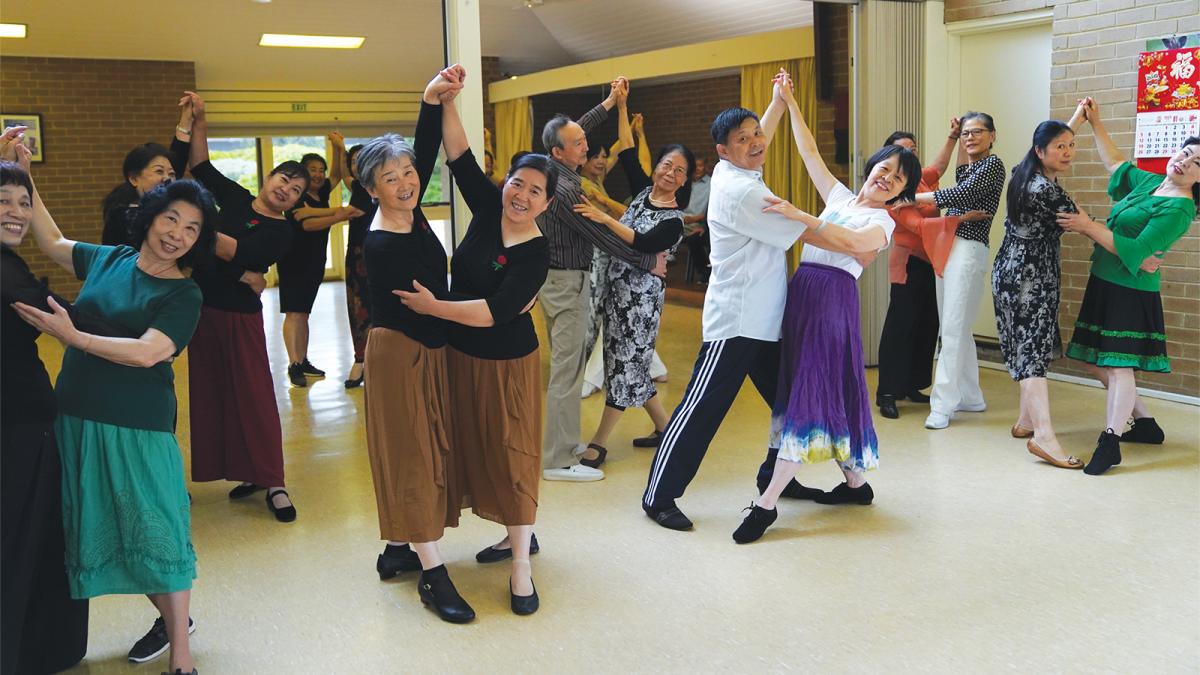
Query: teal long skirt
<point x="126" y="514"/>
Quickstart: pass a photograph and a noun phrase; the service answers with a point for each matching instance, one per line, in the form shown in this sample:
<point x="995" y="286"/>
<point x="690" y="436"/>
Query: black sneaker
<point x="309" y="369"/>
<point x="296" y="375"/>
<point x="755" y="524"/>
<point x="155" y="643"/>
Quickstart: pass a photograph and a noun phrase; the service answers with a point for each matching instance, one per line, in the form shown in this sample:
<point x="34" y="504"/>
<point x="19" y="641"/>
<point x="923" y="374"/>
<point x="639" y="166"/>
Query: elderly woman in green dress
<point x="1120" y="329"/>
<point x="126" y="513"/>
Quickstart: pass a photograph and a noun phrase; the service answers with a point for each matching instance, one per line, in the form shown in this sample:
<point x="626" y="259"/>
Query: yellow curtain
<point x="784" y="171"/>
<point x="514" y="131"/>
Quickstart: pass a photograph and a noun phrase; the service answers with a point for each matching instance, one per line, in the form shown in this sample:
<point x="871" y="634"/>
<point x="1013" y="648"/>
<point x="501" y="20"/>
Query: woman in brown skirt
<point x="407" y="394"/>
<point x="495" y="378"/>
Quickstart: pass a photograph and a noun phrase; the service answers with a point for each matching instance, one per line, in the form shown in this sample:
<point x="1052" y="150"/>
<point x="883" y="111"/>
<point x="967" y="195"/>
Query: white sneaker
<point x="971" y="407"/>
<point x="937" y="420"/>
<point x="576" y="473"/>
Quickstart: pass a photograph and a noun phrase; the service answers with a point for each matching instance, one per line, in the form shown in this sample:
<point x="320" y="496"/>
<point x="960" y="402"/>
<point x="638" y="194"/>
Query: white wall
<point x="1001" y="67"/>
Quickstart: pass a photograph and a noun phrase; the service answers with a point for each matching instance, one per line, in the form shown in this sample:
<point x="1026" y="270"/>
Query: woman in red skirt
<point x="235" y="423"/>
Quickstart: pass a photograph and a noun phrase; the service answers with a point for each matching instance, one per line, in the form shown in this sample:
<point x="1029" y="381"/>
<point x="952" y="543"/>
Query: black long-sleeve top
<point x="361" y="200"/>
<point x="307" y="247"/>
<point x="118" y="216"/>
<point x="571" y="237"/>
<point x="262" y="240"/>
<point x="978" y="188"/>
<point x="505" y="277"/>
<point x="667" y="232"/>
<point x="395" y="259"/>
<point x="25" y="387"/>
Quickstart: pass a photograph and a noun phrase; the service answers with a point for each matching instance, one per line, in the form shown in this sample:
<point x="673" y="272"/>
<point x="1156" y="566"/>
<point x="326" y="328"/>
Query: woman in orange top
<point x="920" y="247"/>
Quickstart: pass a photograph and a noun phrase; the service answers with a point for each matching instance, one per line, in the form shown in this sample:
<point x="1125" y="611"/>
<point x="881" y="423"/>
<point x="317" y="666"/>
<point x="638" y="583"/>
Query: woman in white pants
<point x="980" y="177"/>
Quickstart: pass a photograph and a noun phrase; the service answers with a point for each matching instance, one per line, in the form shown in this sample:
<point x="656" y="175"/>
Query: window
<point x="237" y="159"/>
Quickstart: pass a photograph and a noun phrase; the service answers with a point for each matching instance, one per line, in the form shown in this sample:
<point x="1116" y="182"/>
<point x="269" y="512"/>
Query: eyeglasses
<point x="971" y="133"/>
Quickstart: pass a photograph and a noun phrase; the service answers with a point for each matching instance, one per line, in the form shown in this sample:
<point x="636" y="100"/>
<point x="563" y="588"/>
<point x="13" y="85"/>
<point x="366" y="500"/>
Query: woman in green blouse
<point x="1120" y="327"/>
<point x="126" y="516"/>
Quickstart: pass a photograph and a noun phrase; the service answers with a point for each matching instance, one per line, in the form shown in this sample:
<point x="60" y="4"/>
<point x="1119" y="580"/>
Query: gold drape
<point x="514" y="131"/>
<point x="784" y="171"/>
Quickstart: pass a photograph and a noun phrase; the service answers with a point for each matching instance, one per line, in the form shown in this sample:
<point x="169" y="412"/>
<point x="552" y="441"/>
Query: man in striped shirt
<point x="565" y="295"/>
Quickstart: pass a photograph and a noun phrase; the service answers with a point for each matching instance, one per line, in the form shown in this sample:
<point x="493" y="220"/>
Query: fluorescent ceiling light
<point x="12" y="30"/>
<point x="314" y="41"/>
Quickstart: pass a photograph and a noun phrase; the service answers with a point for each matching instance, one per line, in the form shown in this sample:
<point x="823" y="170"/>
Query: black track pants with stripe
<point x="721" y="368"/>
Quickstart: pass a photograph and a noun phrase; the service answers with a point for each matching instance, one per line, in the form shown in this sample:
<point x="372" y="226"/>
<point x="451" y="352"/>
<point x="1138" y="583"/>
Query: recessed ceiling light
<point x="12" y="30"/>
<point x="313" y="41"/>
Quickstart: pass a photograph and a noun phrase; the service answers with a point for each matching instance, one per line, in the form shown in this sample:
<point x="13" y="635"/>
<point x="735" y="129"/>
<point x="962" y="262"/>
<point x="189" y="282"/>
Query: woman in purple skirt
<point x="822" y="410"/>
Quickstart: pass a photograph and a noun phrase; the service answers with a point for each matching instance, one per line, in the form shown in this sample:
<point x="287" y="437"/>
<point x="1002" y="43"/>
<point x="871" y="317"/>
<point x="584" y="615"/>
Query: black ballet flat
<point x="244" y="490"/>
<point x="284" y="515"/>
<point x="523" y="605"/>
<point x="652" y="441"/>
<point x="1144" y="430"/>
<point x="844" y="494"/>
<point x="438" y="593"/>
<point x="917" y="397"/>
<point x="351" y="384"/>
<point x="396" y="560"/>
<point x="492" y="554"/>
<point x="179" y="671"/>
<point x="595" y="463"/>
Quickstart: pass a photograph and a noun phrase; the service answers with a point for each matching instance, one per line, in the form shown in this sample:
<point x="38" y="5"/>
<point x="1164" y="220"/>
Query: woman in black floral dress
<point x="633" y="303"/>
<point x="1025" y="282"/>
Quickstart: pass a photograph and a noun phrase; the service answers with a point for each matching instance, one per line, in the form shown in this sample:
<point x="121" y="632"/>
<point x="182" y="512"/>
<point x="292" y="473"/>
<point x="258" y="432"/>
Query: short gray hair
<point x="550" y="132"/>
<point x="379" y="151"/>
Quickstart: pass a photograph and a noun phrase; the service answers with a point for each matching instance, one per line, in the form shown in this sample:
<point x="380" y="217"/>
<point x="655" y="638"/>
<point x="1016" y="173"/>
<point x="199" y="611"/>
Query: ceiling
<point x="404" y="37"/>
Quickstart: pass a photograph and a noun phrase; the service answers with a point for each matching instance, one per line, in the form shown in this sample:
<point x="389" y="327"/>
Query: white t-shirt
<point x="748" y="285"/>
<point x="841" y="210"/>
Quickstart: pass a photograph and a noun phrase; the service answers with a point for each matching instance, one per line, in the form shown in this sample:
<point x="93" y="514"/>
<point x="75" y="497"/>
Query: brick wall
<point x="491" y="73"/>
<point x="837" y="43"/>
<point x="1095" y="49"/>
<point x="962" y="10"/>
<point x="93" y="112"/>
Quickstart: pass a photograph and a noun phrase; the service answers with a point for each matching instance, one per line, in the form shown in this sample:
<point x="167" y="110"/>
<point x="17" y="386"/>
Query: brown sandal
<point x="594" y="463"/>
<point x="1037" y="451"/>
<point x="1019" y="431"/>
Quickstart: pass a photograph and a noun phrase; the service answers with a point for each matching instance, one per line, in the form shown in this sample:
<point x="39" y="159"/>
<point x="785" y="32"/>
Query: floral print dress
<point x="632" y="304"/>
<point x="1025" y="281"/>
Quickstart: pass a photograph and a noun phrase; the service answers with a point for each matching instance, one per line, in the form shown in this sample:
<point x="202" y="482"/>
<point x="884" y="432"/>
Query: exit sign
<point x="299" y="107"/>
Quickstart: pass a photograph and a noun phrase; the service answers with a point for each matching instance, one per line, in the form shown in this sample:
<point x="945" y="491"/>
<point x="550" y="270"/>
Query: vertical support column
<point x="461" y="37"/>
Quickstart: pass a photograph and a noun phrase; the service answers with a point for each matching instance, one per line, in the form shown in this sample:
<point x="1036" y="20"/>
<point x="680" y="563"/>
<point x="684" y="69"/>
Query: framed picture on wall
<point x="33" y="135"/>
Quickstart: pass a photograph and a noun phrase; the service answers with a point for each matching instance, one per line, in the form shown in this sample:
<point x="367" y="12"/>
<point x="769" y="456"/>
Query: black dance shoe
<point x="296" y="375"/>
<point x="887" y="406"/>
<point x="1107" y="454"/>
<point x="523" y="605"/>
<point x="794" y="490"/>
<point x="308" y="368"/>
<point x="1144" y="430"/>
<point x="438" y="593"/>
<point x="844" y="494"/>
<point x="917" y="397"/>
<point x="492" y="554"/>
<point x="396" y="560"/>
<point x="284" y="515"/>
<point x="670" y="517"/>
<point x="244" y="490"/>
<point x="179" y="671"/>
<point x="652" y="441"/>
<point x="755" y="524"/>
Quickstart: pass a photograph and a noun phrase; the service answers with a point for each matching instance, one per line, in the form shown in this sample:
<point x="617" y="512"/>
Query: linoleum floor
<point x="974" y="558"/>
